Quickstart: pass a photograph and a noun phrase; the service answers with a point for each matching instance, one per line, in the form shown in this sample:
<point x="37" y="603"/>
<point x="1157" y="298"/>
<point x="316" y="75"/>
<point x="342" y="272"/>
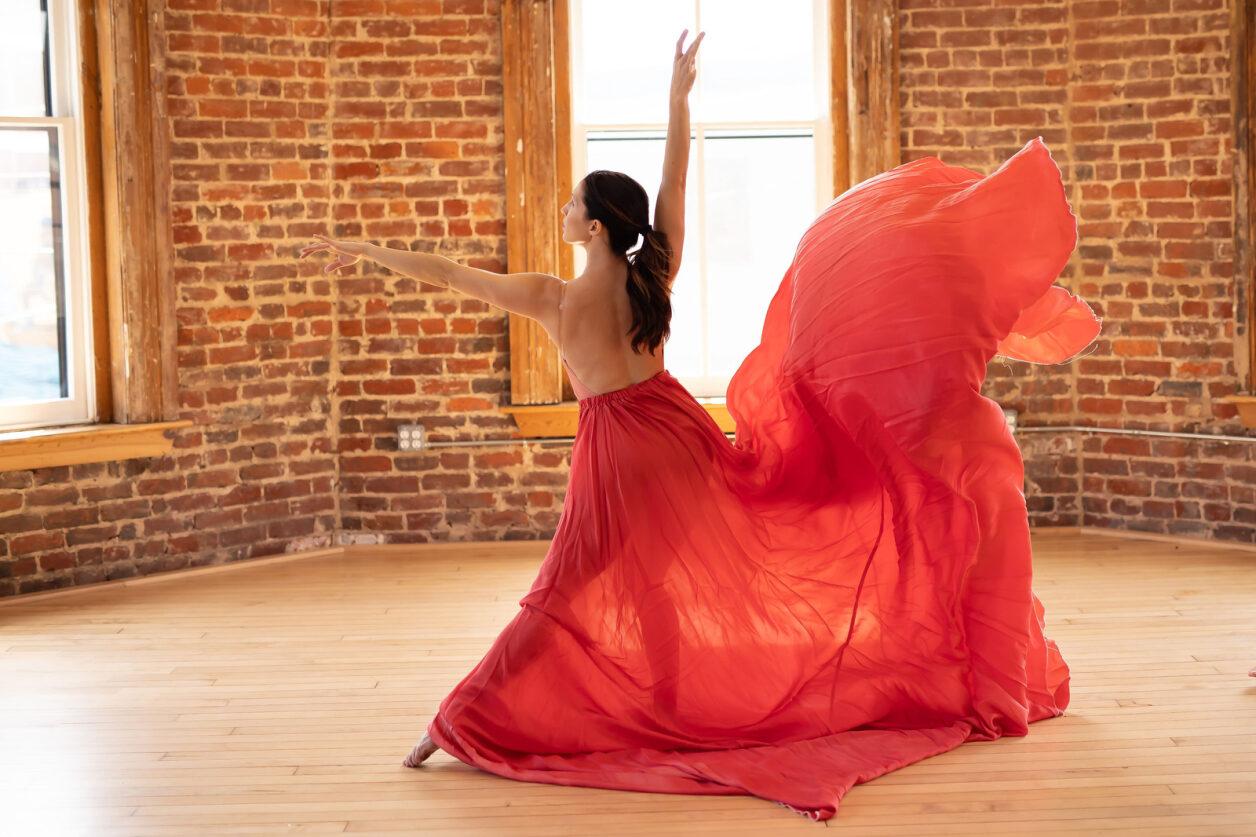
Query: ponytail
<point x="649" y="289"/>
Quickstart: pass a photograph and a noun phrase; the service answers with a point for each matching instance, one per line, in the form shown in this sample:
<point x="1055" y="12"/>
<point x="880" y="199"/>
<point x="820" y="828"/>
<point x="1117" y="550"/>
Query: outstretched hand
<point x="348" y="253"/>
<point x="685" y="66"/>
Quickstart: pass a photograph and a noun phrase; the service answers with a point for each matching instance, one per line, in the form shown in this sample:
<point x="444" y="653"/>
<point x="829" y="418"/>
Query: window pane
<point x="758" y="65"/>
<point x="625" y="53"/>
<point x="640" y="156"/>
<point x="23" y="59"/>
<point x="32" y="319"/>
<point x="760" y="198"/>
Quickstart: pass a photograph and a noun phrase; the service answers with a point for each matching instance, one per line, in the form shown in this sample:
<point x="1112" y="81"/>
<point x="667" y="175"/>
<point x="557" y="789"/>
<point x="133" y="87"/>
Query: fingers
<point x="330" y="245"/>
<point x="335" y="263"/>
<point x="693" y="48"/>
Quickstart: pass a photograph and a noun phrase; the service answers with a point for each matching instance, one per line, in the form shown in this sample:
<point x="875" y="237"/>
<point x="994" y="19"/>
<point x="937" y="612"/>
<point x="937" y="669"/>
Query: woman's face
<point x="575" y="221"/>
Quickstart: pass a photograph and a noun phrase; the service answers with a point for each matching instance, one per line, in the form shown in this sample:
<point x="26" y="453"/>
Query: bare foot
<point x="420" y="752"/>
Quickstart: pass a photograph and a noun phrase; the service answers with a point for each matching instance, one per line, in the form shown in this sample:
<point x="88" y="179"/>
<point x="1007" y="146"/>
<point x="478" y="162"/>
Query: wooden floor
<point x="282" y="698"/>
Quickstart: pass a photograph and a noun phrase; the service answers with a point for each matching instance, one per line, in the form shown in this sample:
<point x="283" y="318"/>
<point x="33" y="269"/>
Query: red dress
<point x="845" y="588"/>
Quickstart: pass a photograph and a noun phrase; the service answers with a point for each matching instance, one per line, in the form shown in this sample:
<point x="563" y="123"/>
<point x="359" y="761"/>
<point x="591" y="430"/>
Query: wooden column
<point x="537" y="116"/>
<point x="864" y="87"/>
<point x="1244" y="103"/>
<point x="135" y="208"/>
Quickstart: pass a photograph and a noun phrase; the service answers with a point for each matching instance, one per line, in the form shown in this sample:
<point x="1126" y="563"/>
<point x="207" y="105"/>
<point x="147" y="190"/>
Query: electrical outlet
<point x="411" y="437"/>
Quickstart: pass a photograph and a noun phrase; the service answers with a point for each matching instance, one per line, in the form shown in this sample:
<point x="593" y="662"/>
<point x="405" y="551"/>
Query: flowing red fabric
<point x="843" y="589"/>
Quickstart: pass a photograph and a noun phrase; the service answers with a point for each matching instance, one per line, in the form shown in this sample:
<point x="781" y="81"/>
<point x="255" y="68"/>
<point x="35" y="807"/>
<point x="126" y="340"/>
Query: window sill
<point x="48" y="447"/>
<point x="552" y="420"/>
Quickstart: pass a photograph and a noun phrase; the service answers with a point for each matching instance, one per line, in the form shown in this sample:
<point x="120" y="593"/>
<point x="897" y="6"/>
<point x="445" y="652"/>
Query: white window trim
<point x="67" y="106"/>
<point x="712" y="388"/>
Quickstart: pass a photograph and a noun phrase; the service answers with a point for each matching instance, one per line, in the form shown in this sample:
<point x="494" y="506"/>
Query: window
<point x="761" y="152"/>
<point x="87" y="328"/>
<point x="854" y="47"/>
<point x="46" y="346"/>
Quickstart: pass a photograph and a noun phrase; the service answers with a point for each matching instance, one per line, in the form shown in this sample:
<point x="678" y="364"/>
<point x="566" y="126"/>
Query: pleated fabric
<point x="846" y="587"/>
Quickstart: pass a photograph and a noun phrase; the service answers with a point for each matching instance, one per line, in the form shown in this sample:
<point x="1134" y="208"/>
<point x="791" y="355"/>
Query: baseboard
<point x="400" y="549"/>
<point x="363" y="549"/>
<point x="169" y="575"/>
<point x="1134" y="534"/>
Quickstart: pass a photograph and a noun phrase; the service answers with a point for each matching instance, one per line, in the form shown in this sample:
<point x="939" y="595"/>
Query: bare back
<point x="590" y="324"/>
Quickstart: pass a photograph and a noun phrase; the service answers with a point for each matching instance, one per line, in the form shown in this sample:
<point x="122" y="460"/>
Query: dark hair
<point x="622" y="205"/>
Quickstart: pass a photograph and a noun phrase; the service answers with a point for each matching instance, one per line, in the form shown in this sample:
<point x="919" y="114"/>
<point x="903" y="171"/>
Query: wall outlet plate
<point x="411" y="437"/>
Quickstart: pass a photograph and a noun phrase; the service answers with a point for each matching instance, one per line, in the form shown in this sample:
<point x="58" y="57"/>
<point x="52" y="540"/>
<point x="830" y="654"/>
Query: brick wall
<point x="418" y="162"/>
<point x="248" y="108"/>
<point x="976" y="82"/>
<point x="384" y="123"/>
<point x="1133" y="98"/>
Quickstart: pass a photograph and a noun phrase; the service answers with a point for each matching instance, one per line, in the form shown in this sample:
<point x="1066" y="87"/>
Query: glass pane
<point x="23" y="58"/>
<point x="625" y="59"/>
<point x="32" y="319"/>
<point x="757" y="66"/>
<point x="760" y="198"/>
<point x="640" y="156"/>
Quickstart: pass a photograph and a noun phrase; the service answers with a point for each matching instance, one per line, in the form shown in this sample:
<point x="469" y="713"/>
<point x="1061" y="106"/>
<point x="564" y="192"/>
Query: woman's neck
<point x="603" y="264"/>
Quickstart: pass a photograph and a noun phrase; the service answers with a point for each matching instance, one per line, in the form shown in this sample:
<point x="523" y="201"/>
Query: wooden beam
<point x="562" y="129"/>
<point x="864" y="89"/>
<point x="1244" y="106"/>
<point x="135" y="190"/>
<point x="89" y="85"/>
<point x="839" y="93"/>
<point x="537" y="122"/>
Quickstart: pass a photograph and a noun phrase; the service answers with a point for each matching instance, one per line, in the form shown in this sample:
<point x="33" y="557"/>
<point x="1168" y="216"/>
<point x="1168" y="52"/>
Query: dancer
<point x="846" y="587"/>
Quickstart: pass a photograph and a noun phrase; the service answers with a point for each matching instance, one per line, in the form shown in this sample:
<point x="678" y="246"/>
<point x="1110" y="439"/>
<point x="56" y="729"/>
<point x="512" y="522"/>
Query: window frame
<point x="705" y="387"/>
<point x="1243" y="48"/>
<point x="122" y="81"/>
<point x="1244" y="87"/>
<point x="864" y="115"/>
<point x="66" y="127"/>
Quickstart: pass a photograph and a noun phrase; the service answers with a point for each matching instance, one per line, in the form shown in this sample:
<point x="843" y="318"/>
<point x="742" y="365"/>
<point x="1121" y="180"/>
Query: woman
<point x="618" y="293"/>
<point x="843" y="590"/>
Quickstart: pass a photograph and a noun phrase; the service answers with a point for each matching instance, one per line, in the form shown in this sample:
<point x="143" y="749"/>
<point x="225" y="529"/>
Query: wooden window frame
<point x="536" y="79"/>
<point x="1243" y="34"/>
<point x="705" y="135"/>
<point x="1243" y="100"/>
<point x="127" y="168"/>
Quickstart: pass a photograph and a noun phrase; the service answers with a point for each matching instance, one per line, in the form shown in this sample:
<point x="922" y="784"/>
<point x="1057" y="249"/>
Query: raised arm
<point x="669" y="207"/>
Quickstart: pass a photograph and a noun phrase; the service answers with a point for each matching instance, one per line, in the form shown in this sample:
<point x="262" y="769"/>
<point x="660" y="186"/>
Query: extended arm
<point x="519" y="293"/>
